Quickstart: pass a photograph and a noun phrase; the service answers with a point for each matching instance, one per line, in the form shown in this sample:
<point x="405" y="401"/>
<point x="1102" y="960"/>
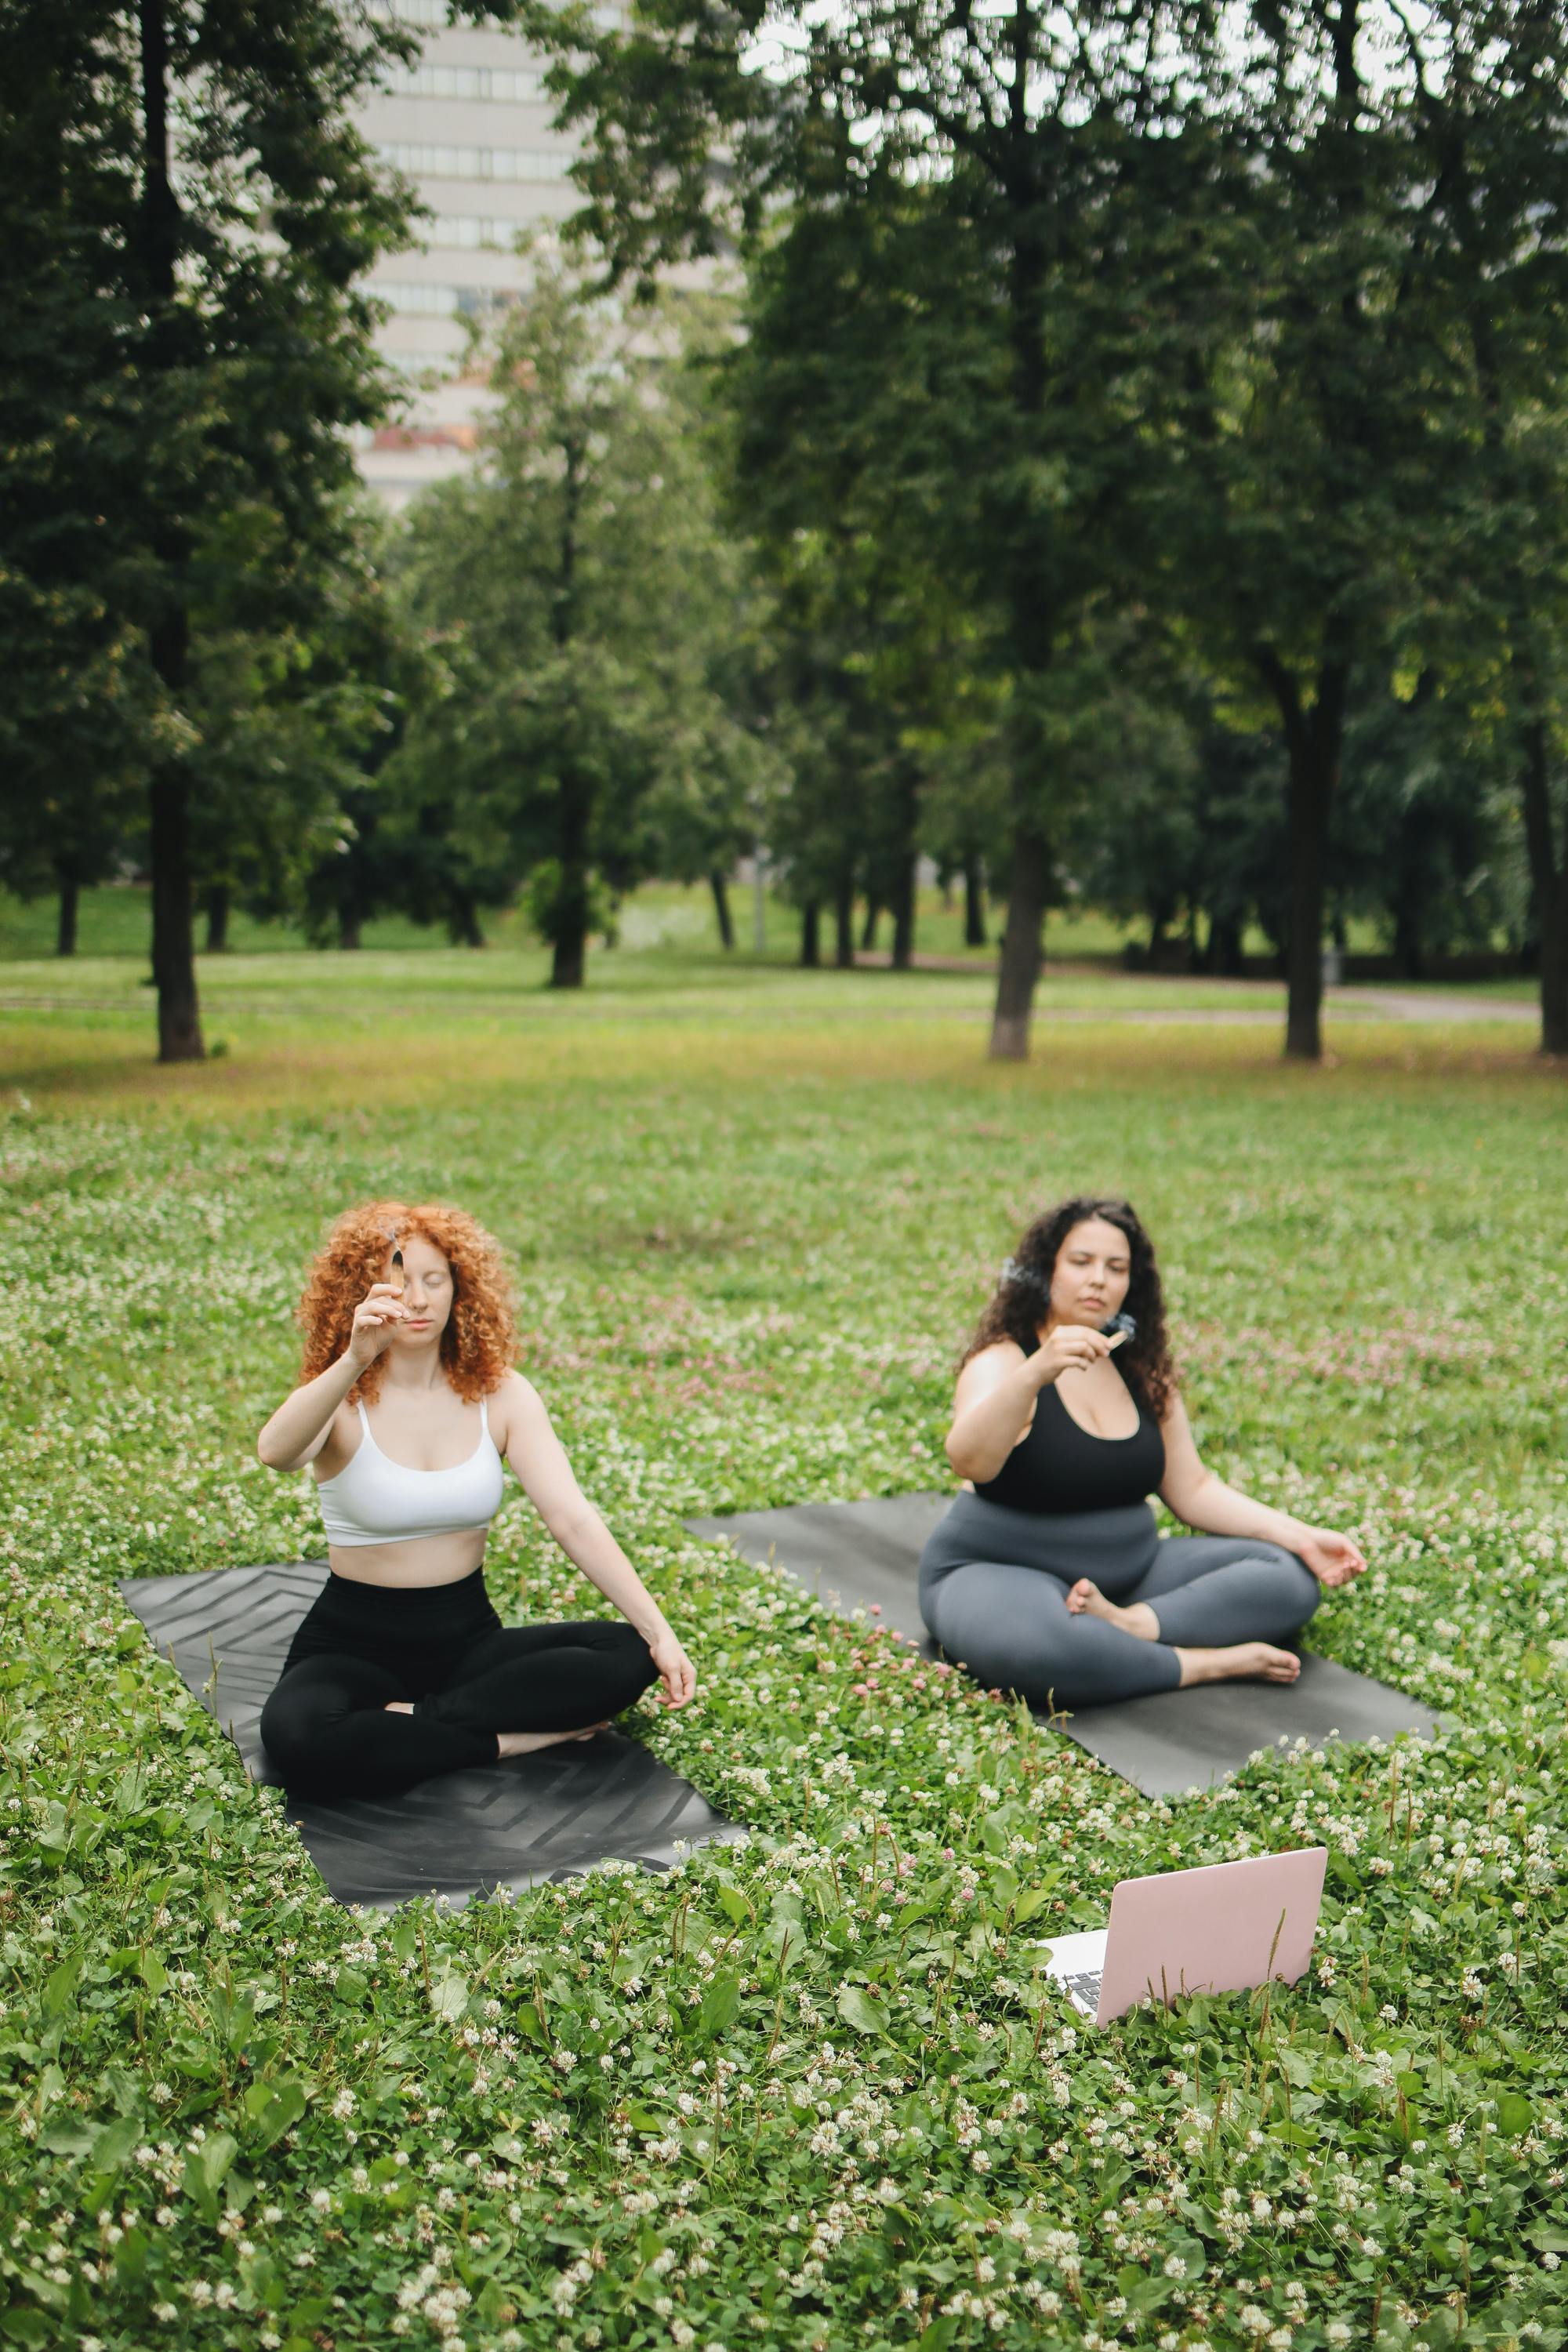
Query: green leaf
<point x="731" y="1901"/>
<point x="783" y="1941"/>
<point x="450" y="1995"/>
<point x="721" y="2004"/>
<point x="1033" y="1900"/>
<point x="59" y="1987"/>
<point x="1514" y="2113"/>
<point x="114" y="2144"/>
<point x="23" y="2326"/>
<point x="131" y="2257"/>
<point x="937" y="2336"/>
<point x="206" y="2167"/>
<point x="67" y="2135"/>
<point x="859" y="2010"/>
<point x="274" y="2108"/>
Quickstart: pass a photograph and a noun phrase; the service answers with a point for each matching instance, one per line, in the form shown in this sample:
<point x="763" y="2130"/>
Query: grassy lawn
<point x="812" y="2091"/>
<point x="114" y="922"/>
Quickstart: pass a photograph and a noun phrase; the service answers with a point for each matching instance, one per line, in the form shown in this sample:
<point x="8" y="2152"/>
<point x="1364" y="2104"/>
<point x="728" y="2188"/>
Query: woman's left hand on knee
<point x="1332" y="1558"/>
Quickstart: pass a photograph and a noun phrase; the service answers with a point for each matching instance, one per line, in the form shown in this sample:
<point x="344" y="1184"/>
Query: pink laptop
<point x="1222" y="1928"/>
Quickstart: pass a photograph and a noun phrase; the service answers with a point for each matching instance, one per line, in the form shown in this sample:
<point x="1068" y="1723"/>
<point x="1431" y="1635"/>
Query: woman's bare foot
<point x="1086" y="1600"/>
<point x="523" y="1743"/>
<point x="1259" y="1660"/>
<point x="398" y="1706"/>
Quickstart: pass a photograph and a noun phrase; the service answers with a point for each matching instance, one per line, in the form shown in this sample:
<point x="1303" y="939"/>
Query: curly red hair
<point x="480" y="1340"/>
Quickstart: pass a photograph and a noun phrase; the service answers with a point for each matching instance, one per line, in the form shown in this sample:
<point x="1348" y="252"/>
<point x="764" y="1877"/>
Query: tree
<point x="1018" y="170"/>
<point x="1489" y="97"/>
<point x="1332" y="515"/>
<point x="196" y="207"/>
<point x="1417" y="844"/>
<point x="580" y="586"/>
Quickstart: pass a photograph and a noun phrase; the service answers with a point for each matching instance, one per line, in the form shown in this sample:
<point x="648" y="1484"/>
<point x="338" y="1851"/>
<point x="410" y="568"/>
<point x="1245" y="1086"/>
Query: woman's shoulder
<point x="510" y="1400"/>
<point x="989" y="1364"/>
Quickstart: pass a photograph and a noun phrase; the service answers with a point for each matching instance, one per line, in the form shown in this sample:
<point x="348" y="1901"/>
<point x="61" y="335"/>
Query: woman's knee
<point x="628" y="1661"/>
<point x="290" y="1730"/>
<point x="296" y="1724"/>
<point x="1305" y="1590"/>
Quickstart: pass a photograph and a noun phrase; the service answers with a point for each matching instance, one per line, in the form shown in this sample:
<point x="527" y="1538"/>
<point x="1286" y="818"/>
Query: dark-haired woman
<point x="1048" y="1577"/>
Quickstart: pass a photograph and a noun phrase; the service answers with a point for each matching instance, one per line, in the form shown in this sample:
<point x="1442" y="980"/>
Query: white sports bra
<point x="373" y="1500"/>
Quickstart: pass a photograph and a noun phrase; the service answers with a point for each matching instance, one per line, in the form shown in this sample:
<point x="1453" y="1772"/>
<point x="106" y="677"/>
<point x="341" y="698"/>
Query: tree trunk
<point x="71" y="895"/>
<point x="844" y="923"/>
<point x="906" y="872"/>
<point x="218" y="919"/>
<point x="1023" y="942"/>
<point x="569" y="963"/>
<point x="1548" y="880"/>
<point x="174" y="937"/>
<point x="349" y="925"/>
<point x="719" y="886"/>
<point x="466" y="929"/>
<point x="904" y="916"/>
<point x="174" y="927"/>
<point x="1313" y="739"/>
<point x="1310" y="792"/>
<point x="869" y="928"/>
<point x="1031" y="617"/>
<point x="811" y="935"/>
<point x="973" y="902"/>
<point x="1223" y="955"/>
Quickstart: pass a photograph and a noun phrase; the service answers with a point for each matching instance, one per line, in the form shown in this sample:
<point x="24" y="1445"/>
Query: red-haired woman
<point x="1048" y="1577"/>
<point x="401" y="1668"/>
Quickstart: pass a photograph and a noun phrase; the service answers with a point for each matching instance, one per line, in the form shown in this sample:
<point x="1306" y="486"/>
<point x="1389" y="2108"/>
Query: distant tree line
<point x="1132" y="469"/>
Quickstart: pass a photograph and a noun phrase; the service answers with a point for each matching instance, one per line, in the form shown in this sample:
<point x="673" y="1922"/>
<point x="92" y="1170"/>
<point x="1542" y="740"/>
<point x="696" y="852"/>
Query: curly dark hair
<point x="1018" y="1308"/>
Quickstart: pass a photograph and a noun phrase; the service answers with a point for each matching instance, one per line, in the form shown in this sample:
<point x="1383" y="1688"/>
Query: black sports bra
<point x="1059" y="1465"/>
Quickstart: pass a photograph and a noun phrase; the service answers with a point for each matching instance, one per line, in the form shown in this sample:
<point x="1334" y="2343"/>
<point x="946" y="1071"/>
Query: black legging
<point x="326" y="1726"/>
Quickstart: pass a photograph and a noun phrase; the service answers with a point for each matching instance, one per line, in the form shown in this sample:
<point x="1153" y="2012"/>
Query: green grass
<point x="114" y="921"/>
<point x="751" y="1221"/>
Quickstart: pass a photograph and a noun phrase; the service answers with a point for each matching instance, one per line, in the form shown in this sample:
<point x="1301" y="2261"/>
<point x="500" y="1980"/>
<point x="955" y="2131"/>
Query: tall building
<point x="469" y="124"/>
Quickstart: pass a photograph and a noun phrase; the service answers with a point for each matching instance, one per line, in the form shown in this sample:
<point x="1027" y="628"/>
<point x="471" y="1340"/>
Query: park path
<point x="1349" y="1003"/>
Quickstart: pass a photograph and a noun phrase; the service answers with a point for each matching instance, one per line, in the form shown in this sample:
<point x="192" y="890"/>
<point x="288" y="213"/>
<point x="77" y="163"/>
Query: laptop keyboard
<point x="1085" y="1984"/>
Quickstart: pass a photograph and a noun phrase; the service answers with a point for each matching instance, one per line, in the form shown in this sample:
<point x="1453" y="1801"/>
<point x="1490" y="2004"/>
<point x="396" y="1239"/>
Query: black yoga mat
<point x="867" y="1556"/>
<point x="551" y="1815"/>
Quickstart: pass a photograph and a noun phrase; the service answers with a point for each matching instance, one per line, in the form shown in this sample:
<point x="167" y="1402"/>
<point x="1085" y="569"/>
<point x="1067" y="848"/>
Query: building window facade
<point x="424" y="163"/>
<point x="506" y="85"/>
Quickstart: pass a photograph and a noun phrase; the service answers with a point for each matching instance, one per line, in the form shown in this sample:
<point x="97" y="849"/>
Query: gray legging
<point x="994" y="1587"/>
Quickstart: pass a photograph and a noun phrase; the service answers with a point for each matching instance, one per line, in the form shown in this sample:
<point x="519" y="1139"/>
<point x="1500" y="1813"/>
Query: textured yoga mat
<point x="867" y="1556"/>
<point x="509" y="1826"/>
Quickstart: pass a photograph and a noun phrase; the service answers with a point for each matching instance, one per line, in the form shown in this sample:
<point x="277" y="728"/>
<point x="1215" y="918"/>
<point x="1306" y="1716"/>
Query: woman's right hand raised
<point x="1068" y="1347"/>
<point x="378" y="1311"/>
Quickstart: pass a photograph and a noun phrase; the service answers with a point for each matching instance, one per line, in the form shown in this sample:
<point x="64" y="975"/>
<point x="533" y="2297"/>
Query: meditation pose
<point x="1048" y="1577"/>
<point x="402" y="1668"/>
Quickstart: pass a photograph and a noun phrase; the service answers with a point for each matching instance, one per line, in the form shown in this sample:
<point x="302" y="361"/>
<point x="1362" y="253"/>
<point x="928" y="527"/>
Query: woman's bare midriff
<point x="419" y="1559"/>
